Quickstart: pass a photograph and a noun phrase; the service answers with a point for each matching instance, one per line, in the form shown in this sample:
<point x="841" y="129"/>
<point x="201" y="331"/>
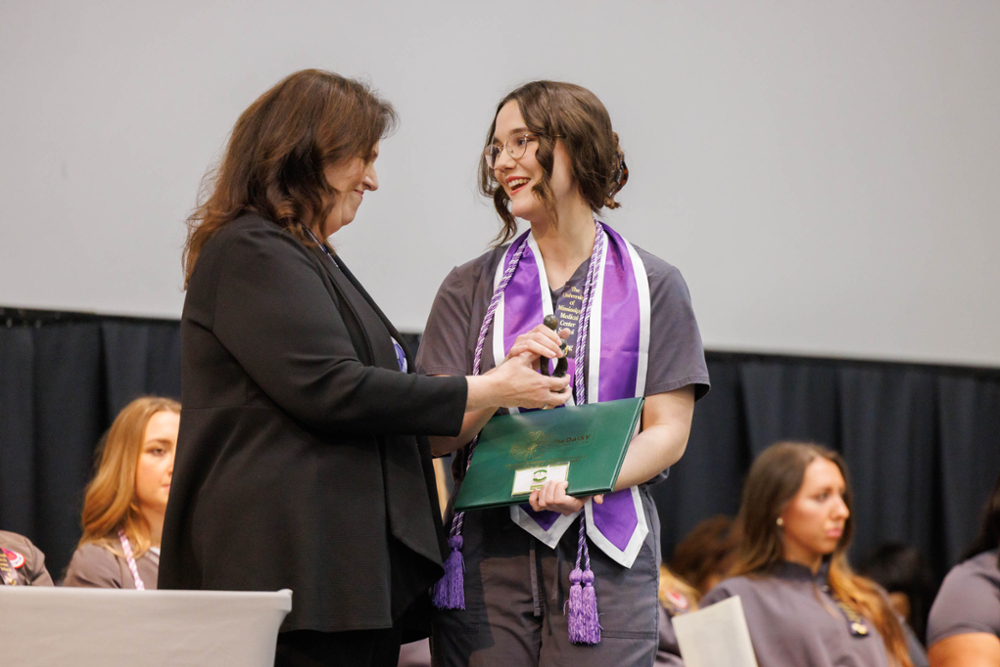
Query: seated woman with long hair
<point x="803" y="604"/>
<point x="964" y="625"/>
<point x="125" y="502"/>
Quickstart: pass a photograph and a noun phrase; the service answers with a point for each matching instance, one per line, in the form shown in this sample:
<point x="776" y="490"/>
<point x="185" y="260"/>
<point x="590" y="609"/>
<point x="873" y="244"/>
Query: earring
<point x="780" y="522"/>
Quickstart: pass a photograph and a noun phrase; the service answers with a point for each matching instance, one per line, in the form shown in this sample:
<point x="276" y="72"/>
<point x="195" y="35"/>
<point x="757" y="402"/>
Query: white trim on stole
<point x="627" y="557"/>
<point x="642" y="285"/>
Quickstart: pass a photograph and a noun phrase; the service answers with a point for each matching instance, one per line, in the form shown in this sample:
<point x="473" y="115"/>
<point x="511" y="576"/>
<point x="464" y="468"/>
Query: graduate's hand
<point x="541" y="342"/>
<point x="553" y="497"/>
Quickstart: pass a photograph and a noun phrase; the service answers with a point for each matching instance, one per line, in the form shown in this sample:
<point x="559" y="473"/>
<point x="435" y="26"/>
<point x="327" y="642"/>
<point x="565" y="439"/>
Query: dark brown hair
<point x="557" y="110"/>
<point x="279" y="149"/>
<point x="774" y="479"/>
<point x="709" y="549"/>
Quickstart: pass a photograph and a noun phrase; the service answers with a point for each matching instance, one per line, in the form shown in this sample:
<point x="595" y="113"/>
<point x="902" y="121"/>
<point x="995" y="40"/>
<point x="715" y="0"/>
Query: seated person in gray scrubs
<point x="964" y="625"/>
<point x="676" y="597"/>
<point x="125" y="502"/>
<point x="803" y="604"/>
<point x="552" y="159"/>
<point x="21" y="562"/>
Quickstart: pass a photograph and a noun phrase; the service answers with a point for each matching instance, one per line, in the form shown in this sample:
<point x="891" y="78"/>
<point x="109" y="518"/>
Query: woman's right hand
<point x="521" y="386"/>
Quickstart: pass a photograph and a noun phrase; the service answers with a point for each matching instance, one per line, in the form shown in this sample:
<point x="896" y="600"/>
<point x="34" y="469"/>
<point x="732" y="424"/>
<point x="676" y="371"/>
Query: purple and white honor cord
<point x="459" y="519"/>
<point x="579" y="386"/>
<point x="596" y="259"/>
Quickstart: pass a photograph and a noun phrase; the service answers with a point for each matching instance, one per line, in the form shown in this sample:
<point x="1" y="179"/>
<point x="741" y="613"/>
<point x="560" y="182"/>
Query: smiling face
<point x="350" y="178"/>
<point x="519" y="178"/>
<point x="155" y="466"/>
<point x="814" y="519"/>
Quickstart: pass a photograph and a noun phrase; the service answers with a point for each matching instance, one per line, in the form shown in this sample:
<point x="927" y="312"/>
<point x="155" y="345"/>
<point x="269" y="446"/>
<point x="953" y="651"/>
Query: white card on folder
<point x="716" y="635"/>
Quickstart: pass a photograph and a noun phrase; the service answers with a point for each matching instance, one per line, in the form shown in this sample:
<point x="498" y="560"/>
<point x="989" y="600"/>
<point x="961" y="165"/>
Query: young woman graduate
<point x="552" y="159"/>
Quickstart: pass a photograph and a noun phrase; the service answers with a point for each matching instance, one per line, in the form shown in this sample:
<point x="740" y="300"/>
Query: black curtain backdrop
<point x="922" y="441"/>
<point x="63" y="378"/>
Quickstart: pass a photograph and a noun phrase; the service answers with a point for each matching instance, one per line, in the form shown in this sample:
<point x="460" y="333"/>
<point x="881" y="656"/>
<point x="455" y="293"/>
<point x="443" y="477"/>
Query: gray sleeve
<point x="37" y="573"/>
<point x="676" y="355"/>
<point x="444" y="346"/>
<point x="969" y="601"/>
<point x="33" y="572"/>
<point x="667" y="651"/>
<point x="717" y="594"/>
<point x="93" y="566"/>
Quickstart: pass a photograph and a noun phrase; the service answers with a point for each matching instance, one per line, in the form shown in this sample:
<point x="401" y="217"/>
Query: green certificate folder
<point x="517" y="453"/>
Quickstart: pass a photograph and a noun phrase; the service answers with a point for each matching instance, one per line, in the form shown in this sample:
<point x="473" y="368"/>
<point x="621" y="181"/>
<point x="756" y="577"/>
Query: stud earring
<point x="780" y="522"/>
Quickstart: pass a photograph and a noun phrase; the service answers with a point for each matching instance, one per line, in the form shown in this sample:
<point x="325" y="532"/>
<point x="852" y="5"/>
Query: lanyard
<point x="127" y="548"/>
<point x="400" y="354"/>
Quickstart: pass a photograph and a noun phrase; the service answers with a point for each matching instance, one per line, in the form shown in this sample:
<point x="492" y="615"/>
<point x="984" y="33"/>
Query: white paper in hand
<point x="716" y="636"/>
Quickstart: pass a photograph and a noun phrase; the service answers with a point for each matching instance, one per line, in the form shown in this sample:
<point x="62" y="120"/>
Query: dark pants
<point x="358" y="648"/>
<point x="516" y="589"/>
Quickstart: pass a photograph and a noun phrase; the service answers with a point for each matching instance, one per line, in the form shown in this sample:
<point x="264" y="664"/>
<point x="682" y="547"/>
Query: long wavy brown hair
<point x="774" y="479"/>
<point x="558" y="110"/>
<point x="110" y="502"/>
<point x="275" y="162"/>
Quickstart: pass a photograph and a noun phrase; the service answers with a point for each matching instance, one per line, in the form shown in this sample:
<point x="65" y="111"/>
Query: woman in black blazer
<point x="302" y="461"/>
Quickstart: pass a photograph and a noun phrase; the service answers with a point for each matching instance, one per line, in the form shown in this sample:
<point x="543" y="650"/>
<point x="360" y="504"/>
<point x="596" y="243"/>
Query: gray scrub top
<point x="32" y="571"/>
<point x="448" y="344"/>
<point x="794" y="621"/>
<point x="968" y="601"/>
<point x="95" y="566"/>
<point x="668" y="652"/>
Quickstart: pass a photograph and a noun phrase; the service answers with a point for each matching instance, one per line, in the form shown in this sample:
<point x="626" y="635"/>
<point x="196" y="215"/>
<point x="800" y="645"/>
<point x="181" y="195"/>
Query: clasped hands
<point x="537" y="343"/>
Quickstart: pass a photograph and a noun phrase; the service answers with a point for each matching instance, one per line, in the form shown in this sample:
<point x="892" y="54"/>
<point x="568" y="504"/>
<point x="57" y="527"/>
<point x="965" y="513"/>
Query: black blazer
<point x="300" y="462"/>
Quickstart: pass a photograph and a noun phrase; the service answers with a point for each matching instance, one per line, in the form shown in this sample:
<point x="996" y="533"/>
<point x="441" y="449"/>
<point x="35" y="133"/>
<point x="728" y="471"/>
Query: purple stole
<point x="619" y="331"/>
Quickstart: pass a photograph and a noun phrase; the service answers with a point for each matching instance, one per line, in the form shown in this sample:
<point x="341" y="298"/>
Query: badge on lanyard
<point x="679" y="601"/>
<point x="16" y="560"/>
<point x="855" y="621"/>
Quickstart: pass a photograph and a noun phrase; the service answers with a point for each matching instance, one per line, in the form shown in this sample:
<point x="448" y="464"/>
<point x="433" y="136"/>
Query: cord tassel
<point x="584" y="626"/>
<point x="449" y="591"/>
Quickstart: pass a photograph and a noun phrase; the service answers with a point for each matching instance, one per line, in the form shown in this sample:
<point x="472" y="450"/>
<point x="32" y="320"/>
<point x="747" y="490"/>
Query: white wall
<point x="824" y="174"/>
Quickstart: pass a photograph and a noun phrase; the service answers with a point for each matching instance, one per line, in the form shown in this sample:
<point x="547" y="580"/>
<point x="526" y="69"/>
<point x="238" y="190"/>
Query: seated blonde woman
<point x="125" y="502"/>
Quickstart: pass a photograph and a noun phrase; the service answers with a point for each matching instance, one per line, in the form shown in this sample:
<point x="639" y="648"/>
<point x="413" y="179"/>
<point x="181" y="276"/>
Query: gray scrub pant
<point x="516" y="589"/>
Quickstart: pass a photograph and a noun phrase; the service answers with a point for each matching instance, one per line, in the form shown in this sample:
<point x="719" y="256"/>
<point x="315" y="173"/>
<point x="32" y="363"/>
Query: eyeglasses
<point x="516" y="145"/>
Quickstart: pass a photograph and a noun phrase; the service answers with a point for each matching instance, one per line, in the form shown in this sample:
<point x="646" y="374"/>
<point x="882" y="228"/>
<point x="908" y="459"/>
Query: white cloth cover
<point x="95" y="627"/>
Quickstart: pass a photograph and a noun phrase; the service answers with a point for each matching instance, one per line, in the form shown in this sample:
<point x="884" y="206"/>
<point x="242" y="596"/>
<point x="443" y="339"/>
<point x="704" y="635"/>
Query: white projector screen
<point x="824" y="174"/>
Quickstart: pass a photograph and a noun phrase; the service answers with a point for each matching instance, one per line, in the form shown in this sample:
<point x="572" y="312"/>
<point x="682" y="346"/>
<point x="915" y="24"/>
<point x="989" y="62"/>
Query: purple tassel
<point x="449" y="591"/>
<point x="584" y="627"/>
